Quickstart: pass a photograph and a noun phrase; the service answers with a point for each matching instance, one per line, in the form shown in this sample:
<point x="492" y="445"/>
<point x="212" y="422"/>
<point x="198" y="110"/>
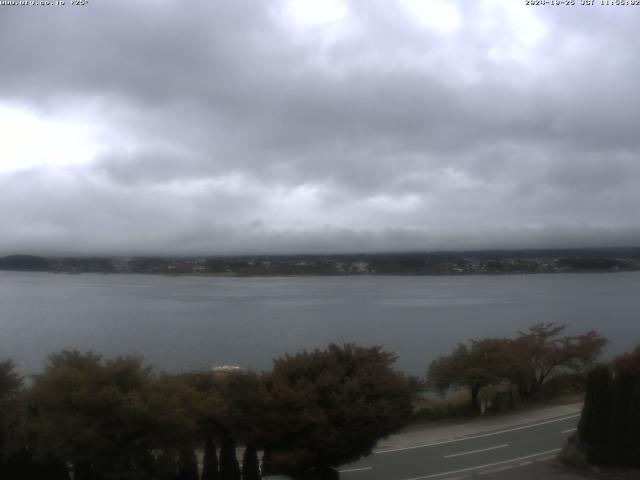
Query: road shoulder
<point x="415" y="436"/>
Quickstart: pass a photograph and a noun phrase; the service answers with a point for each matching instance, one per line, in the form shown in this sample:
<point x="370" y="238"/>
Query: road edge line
<point x="473" y="437"/>
<point x="479" y="467"/>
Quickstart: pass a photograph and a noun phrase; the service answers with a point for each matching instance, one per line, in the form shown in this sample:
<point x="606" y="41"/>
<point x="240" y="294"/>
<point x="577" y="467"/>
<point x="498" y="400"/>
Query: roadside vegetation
<point x="609" y="429"/>
<point x="104" y="419"/>
<point x="90" y="418"/>
<point x="540" y="364"/>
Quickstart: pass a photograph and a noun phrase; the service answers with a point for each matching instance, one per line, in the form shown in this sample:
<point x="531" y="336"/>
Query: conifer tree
<point x="633" y="428"/>
<point x="210" y="459"/>
<point x="229" y="468"/>
<point x="621" y="392"/>
<point x="250" y="465"/>
<point x="625" y="428"/>
<point x="188" y="465"/>
<point x="609" y="427"/>
<point x="587" y="418"/>
<point x="598" y="433"/>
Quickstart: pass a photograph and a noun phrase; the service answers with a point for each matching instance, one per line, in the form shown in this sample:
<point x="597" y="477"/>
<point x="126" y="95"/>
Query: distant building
<point x="360" y="267"/>
<point x="225" y="370"/>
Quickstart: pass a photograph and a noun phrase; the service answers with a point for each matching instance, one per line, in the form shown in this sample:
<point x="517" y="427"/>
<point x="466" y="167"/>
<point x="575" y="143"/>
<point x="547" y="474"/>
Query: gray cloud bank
<point x="223" y="127"/>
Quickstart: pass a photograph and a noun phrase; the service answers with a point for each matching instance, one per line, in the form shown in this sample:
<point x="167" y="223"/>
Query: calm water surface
<point x="181" y="323"/>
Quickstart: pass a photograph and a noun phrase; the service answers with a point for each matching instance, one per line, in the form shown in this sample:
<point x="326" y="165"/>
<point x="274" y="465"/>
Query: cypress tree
<point x="586" y="419"/>
<point x="229" y="468"/>
<point x="598" y="433"/>
<point x="633" y="428"/>
<point x="166" y="467"/>
<point x="250" y="465"/>
<point x="210" y="460"/>
<point x="267" y="464"/>
<point x="622" y="390"/>
<point x="627" y="426"/>
<point x="83" y="471"/>
<point x="21" y="465"/>
<point x="146" y="466"/>
<point x="57" y="470"/>
<point x="14" y="465"/>
<point x="188" y="465"/>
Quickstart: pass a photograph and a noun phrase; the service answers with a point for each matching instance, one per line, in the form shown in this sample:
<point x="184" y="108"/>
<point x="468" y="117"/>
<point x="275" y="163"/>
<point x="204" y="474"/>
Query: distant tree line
<point x="24" y="263"/>
<point x="115" y="419"/>
<point x="407" y="263"/>
<point x="609" y="428"/>
<point x="536" y="358"/>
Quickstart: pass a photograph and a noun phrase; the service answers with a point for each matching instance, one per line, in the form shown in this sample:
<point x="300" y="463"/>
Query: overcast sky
<point x="268" y="126"/>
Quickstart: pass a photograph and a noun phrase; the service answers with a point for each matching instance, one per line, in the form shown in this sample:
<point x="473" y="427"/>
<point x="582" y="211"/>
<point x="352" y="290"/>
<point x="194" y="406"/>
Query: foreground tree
<point x="624" y="430"/>
<point x="10" y="381"/>
<point x="230" y="403"/>
<point x="210" y="458"/>
<point x="242" y="395"/>
<point x="594" y="423"/>
<point x="250" y="465"/>
<point x="207" y="411"/>
<point x="188" y="465"/>
<point x="549" y="352"/>
<point x="13" y="454"/>
<point x="18" y="458"/>
<point x="486" y="362"/>
<point x="110" y="419"/>
<point x="609" y="428"/>
<point x="10" y="387"/>
<point x="229" y="467"/>
<point x="329" y="407"/>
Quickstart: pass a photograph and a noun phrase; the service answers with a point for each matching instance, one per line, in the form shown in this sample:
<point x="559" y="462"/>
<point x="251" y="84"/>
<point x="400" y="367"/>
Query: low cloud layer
<point x="336" y="126"/>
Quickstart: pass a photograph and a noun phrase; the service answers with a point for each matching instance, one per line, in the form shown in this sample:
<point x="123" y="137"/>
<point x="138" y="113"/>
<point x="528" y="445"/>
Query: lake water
<point x="183" y="323"/>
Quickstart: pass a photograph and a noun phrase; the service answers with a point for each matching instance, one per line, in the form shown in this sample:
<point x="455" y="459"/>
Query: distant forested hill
<point x="24" y="262"/>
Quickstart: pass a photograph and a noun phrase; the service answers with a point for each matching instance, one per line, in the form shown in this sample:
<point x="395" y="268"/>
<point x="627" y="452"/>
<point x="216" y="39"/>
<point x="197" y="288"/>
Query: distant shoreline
<point x="499" y="262"/>
<point x="316" y="275"/>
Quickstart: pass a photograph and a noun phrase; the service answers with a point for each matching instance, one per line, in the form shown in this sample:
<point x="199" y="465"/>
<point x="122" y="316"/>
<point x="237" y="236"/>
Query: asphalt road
<point x="488" y="454"/>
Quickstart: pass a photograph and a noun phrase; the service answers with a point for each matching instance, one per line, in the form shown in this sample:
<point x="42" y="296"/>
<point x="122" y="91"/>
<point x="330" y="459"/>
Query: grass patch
<point x="566" y="399"/>
<point x="431" y="407"/>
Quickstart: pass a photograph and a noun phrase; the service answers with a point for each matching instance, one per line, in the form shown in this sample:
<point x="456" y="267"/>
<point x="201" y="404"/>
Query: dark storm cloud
<point x="224" y="127"/>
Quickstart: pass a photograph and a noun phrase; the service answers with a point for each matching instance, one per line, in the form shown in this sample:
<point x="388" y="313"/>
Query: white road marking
<point x="473" y="437"/>
<point x="476" y="451"/>
<point x="488" y="465"/>
<point x="569" y="430"/>
<point x="496" y="470"/>
<point x="545" y="459"/>
<point x="349" y="470"/>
